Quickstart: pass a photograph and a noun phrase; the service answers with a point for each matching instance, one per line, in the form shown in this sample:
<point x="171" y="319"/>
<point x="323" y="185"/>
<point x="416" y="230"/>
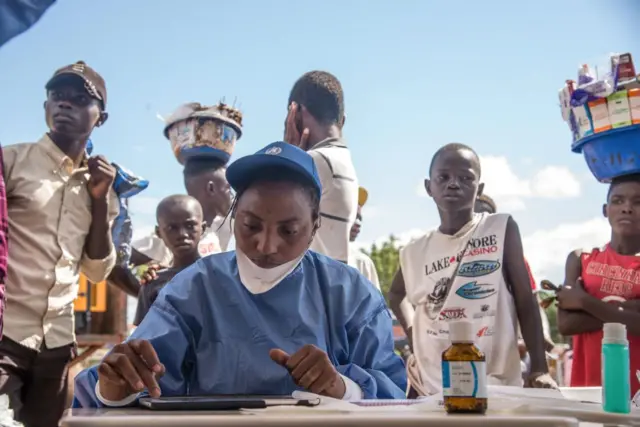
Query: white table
<point x="144" y="418"/>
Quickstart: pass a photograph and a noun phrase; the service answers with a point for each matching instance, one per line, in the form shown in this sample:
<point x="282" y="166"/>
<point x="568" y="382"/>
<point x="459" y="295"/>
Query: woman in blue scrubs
<point x="269" y="318"/>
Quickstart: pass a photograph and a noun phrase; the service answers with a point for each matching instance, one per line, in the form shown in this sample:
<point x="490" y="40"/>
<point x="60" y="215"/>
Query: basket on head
<point x="199" y="131"/>
<point x="611" y="154"/>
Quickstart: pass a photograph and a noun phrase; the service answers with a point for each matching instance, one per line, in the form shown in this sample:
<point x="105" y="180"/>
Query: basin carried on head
<point x="198" y="131"/>
<point x="612" y="153"/>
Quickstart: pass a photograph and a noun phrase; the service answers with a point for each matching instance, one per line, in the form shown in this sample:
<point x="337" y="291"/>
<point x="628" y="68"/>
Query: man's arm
<point x="612" y="313"/>
<point x="517" y="276"/>
<point x="138" y="259"/>
<point x="574" y="322"/>
<point x="122" y="278"/>
<point x="99" y="253"/>
<point x="400" y="306"/>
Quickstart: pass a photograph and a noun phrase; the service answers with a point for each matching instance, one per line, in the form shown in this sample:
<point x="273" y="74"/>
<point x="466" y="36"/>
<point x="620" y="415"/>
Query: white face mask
<point x="259" y="280"/>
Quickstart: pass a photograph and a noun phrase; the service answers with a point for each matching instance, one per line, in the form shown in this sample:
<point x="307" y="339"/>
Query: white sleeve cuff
<point x="115" y="404"/>
<point x="352" y="391"/>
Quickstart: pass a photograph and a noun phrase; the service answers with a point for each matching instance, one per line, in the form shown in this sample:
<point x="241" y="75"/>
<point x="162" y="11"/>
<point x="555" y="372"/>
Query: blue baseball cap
<point x="275" y="155"/>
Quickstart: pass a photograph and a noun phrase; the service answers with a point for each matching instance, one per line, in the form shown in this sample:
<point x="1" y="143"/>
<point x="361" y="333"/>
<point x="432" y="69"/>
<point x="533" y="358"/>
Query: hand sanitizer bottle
<point x="616" y="389"/>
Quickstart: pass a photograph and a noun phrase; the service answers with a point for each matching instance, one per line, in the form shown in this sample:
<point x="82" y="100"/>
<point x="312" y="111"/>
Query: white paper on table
<point x="583" y="394"/>
<point x="515" y="399"/>
<point x="502" y="399"/>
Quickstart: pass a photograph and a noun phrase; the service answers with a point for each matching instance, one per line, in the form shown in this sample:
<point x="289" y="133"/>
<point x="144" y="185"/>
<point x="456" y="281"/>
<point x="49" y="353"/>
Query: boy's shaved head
<point x="456" y="146"/>
<point x="183" y="202"/>
<point x="180" y="226"/>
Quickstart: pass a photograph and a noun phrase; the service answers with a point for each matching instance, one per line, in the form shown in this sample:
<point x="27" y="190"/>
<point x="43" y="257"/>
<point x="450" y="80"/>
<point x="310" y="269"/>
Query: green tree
<point x="552" y="315"/>
<point x="387" y="261"/>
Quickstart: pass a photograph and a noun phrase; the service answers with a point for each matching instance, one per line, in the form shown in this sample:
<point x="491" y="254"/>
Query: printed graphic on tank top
<point x="612" y="278"/>
<point x="209" y="243"/>
<point x="460" y="277"/>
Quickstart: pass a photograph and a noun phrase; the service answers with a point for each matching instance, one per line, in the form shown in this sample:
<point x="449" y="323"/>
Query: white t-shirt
<point x="460" y="277"/>
<point x="215" y="239"/>
<point x="364" y="265"/>
<point x="339" y="202"/>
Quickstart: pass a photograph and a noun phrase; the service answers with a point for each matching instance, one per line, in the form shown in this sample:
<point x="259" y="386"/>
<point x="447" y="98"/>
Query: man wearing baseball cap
<point x="60" y="207"/>
<point x="357" y="258"/>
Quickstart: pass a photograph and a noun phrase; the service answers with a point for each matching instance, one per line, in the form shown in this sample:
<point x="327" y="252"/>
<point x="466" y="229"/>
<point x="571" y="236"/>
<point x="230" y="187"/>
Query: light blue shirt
<point x="214" y="336"/>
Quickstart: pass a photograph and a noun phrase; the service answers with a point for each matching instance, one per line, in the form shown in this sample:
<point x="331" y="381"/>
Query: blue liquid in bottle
<point x="616" y="387"/>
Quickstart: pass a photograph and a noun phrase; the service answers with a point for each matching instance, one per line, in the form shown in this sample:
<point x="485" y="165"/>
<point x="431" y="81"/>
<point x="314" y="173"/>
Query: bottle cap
<point x="614" y="333"/>
<point x="461" y="331"/>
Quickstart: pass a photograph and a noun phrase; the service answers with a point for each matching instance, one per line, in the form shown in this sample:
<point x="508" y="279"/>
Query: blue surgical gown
<point x="213" y="336"/>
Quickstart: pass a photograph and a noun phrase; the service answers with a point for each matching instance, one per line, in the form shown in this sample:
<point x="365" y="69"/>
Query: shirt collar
<point x="59" y="157"/>
<point x="328" y="142"/>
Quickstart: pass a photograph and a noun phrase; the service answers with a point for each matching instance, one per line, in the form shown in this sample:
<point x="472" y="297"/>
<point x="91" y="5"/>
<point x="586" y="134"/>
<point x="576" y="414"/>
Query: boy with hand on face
<point x="60" y="207"/>
<point x="314" y="123"/>
<point x="180" y="226"/>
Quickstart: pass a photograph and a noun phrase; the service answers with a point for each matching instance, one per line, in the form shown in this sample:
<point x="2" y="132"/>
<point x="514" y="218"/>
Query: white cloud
<point x="554" y="182"/>
<point x="143" y="205"/>
<point x="547" y="250"/>
<point x="141" y="231"/>
<point x="510" y="190"/>
<point x="143" y="215"/>
<point x="372" y="211"/>
<point x="402" y="238"/>
<point x="500" y="181"/>
<point x="511" y="204"/>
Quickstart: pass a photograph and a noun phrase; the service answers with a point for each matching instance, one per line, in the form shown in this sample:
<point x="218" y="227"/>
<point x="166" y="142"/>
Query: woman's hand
<point x="128" y="369"/>
<point x="311" y="369"/>
<point x="572" y="297"/>
<point x="150" y="273"/>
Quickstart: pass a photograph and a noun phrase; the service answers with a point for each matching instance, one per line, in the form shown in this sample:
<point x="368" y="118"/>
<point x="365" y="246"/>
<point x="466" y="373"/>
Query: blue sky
<point x="416" y="74"/>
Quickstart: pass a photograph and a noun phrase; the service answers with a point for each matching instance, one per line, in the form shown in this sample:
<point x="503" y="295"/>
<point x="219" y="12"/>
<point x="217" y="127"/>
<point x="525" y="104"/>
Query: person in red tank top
<point x="603" y="286"/>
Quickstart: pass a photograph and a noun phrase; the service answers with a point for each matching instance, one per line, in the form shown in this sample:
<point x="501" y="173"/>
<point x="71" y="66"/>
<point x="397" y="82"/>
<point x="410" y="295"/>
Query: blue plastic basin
<point x="612" y="153"/>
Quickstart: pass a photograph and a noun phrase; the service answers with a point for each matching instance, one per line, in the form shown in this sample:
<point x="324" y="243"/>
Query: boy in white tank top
<point x="472" y="267"/>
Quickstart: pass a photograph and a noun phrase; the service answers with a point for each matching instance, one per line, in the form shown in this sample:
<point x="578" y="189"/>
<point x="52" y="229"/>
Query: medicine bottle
<point x="464" y="372"/>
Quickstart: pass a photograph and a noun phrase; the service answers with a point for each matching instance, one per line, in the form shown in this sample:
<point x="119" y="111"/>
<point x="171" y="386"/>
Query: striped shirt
<point x="339" y="202"/>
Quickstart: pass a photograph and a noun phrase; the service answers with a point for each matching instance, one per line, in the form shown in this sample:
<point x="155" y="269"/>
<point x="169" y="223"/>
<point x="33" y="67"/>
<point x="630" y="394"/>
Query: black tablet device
<point x="221" y="402"/>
